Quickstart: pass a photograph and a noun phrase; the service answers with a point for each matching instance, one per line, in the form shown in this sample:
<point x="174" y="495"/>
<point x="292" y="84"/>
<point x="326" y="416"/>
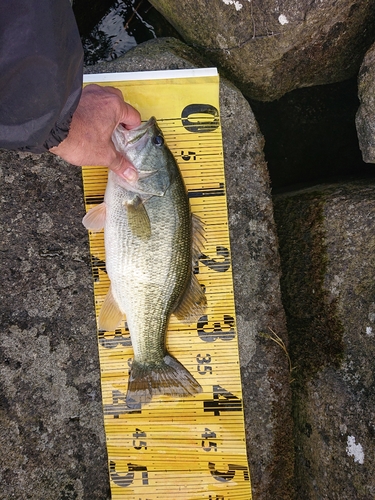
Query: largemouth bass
<point x="151" y="242"/>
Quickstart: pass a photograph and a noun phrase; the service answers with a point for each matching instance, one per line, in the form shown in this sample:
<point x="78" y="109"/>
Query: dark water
<point x="311" y="136"/>
<point x="109" y="29"/>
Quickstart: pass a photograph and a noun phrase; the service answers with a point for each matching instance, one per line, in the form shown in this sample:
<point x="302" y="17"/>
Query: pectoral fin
<point x="95" y="218"/>
<point x="110" y="313"/>
<point x="139" y="221"/>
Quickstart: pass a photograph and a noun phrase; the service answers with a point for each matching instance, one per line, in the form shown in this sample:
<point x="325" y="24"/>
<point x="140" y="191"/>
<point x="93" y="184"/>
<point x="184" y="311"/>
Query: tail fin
<point x="169" y="378"/>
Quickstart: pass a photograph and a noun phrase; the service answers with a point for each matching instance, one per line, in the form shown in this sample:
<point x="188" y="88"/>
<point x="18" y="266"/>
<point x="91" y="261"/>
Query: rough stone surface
<point x="327" y="242"/>
<point x="264" y="367"/>
<point x="51" y="429"/>
<point x="269" y="47"/>
<point x="365" y="119"/>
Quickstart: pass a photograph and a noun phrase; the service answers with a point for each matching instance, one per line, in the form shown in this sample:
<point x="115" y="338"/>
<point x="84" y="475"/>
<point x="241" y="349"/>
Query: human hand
<point x="89" y="142"/>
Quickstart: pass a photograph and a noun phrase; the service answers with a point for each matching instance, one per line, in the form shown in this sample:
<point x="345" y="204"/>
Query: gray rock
<point x="269" y="48"/>
<point x="365" y="119"/>
<point x="51" y="428"/>
<point x="327" y="242"/>
<point x="264" y="367"/>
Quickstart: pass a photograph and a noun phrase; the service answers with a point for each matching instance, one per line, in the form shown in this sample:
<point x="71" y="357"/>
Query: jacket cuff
<point x="58" y="133"/>
<point x="61" y="129"/>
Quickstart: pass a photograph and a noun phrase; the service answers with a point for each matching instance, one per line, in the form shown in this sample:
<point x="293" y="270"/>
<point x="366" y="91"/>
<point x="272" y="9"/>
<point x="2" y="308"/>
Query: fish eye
<point x="158" y="140"/>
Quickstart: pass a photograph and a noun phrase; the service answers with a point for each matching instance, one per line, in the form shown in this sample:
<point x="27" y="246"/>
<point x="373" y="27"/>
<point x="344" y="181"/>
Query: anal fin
<point x="110" y="314"/>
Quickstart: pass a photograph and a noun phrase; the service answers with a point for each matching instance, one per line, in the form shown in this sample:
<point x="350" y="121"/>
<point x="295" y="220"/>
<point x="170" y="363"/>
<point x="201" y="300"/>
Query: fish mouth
<point x="130" y="143"/>
<point x="135" y="135"/>
<point x="139" y="138"/>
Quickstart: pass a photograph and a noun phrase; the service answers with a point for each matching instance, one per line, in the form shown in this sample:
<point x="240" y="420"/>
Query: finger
<point x="127" y="115"/>
<point x="130" y="117"/>
<point x="129" y="174"/>
<point x="94" y="87"/>
<point x="122" y="167"/>
<point x="113" y="90"/>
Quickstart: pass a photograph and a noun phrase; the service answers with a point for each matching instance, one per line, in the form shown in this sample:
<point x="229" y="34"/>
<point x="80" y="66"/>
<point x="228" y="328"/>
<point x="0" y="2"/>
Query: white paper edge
<point x="150" y="75"/>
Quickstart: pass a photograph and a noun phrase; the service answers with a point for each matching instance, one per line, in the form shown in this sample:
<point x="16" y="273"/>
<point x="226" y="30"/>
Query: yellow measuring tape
<point x="192" y="448"/>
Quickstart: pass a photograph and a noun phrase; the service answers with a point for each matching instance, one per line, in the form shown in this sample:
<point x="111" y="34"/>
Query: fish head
<point x="144" y="147"/>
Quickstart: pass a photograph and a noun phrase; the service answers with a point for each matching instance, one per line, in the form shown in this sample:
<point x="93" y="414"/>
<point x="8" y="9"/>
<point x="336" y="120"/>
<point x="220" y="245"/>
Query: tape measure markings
<point x="189" y="448"/>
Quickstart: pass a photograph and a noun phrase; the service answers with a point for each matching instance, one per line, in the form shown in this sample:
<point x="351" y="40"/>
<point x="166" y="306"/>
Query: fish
<point x="152" y="241"/>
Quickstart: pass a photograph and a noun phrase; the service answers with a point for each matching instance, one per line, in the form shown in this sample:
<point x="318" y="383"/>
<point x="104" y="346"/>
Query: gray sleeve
<point x="41" y="68"/>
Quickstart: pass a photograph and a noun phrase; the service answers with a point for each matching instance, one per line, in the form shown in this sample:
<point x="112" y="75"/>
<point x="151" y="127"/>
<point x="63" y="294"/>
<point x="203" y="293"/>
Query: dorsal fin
<point x="198" y="237"/>
<point x="193" y="303"/>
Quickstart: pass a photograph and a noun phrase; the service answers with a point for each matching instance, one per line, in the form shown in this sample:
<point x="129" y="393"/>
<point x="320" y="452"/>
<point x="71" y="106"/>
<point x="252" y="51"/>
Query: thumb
<point x="124" y="168"/>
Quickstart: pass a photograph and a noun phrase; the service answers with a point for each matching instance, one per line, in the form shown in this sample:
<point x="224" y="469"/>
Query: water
<point x="123" y="25"/>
